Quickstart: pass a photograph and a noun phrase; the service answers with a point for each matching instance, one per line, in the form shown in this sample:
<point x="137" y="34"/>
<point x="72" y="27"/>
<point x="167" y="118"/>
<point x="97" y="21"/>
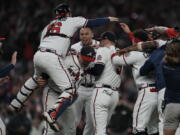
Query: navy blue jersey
<point x="154" y="64"/>
<point x="5" y="70"/>
<point x="172" y="80"/>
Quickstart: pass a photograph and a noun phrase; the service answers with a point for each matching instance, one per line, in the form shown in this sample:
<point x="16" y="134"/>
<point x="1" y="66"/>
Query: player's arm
<point x="168" y="32"/>
<point x="101" y="59"/>
<point x="96" y="70"/>
<point x="100" y="21"/>
<point x="130" y="34"/>
<point x="147" y="67"/>
<point x="5" y="70"/>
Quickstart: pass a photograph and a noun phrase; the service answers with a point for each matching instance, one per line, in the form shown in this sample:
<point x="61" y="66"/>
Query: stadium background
<point x="23" y="20"/>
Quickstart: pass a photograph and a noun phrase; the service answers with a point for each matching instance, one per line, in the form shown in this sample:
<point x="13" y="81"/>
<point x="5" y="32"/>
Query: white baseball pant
<point x="66" y="120"/>
<point x="103" y="103"/>
<point x="2" y="128"/>
<point x="145" y="114"/>
<point x="160" y="111"/>
<point x="84" y="101"/>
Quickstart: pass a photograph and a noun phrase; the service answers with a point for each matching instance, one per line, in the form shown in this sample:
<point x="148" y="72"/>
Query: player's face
<point x="104" y="42"/>
<point x="86" y="36"/>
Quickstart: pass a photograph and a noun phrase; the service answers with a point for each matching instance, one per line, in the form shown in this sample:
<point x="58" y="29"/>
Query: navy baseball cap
<point x="88" y="53"/>
<point x="109" y="36"/>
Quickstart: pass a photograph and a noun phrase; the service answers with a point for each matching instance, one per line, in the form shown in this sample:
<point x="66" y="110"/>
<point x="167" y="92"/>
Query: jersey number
<point x="54" y="28"/>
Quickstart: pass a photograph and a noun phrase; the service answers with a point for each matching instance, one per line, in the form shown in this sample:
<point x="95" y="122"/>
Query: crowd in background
<point x="21" y="25"/>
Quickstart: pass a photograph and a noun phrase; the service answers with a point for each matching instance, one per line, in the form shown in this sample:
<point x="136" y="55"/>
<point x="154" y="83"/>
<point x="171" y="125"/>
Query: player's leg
<point x="114" y="102"/>
<point x="24" y="93"/>
<point x="55" y="68"/>
<point x="152" y="127"/>
<point x="171" y="119"/>
<point x="160" y="109"/>
<point x="2" y="128"/>
<point x="29" y="86"/>
<point x="88" y="129"/>
<point x="100" y="102"/>
<point x="67" y="119"/>
<point x="143" y="109"/>
<point x="79" y="104"/>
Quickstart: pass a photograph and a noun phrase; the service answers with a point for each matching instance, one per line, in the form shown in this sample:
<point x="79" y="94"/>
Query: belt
<point x="108" y="86"/>
<point x="148" y="85"/>
<point x="57" y="34"/>
<point x="87" y="85"/>
<point x="43" y="49"/>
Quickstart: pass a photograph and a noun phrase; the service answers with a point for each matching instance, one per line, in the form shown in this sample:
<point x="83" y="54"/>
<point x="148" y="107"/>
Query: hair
<point x="141" y="34"/>
<point x="172" y="57"/>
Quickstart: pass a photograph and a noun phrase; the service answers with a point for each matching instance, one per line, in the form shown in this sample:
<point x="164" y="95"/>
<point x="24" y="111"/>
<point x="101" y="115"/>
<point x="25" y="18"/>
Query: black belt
<point x="43" y="49"/>
<point x="57" y="34"/>
<point x="110" y="87"/>
<point x="148" y="85"/>
<point x="87" y="85"/>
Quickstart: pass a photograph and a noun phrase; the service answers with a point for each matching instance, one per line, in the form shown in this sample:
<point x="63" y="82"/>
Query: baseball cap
<point x="108" y="35"/>
<point x="88" y="53"/>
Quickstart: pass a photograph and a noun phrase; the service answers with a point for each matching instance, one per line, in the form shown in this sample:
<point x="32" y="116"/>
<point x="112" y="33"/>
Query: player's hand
<point x="159" y="29"/>
<point x="41" y="82"/>
<point x="125" y="27"/>
<point x="4" y="79"/>
<point x="14" y="58"/>
<point x="114" y="19"/>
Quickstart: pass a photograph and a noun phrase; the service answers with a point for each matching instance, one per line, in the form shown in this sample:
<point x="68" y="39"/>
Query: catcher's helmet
<point x="62" y="8"/>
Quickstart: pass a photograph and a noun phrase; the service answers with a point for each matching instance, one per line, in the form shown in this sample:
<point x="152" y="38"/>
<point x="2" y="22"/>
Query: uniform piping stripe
<point x="65" y="72"/>
<point x="125" y="60"/>
<point x="34" y="80"/>
<point x="127" y="63"/>
<point x="94" y="108"/>
<point x="24" y="94"/>
<point x="28" y="88"/>
<point x="46" y="100"/>
<point x="20" y="102"/>
<point x="139" y="108"/>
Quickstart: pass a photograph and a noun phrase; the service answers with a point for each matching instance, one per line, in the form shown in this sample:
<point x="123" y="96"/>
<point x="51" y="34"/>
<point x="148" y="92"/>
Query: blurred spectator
<point x="19" y="125"/>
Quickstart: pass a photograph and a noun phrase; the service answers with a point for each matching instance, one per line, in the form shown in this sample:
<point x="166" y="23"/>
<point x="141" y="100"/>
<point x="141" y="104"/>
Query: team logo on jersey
<point x="99" y="57"/>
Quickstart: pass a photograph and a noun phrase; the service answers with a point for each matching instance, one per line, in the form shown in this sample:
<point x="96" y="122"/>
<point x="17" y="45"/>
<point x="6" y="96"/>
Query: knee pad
<point x="24" y="93"/>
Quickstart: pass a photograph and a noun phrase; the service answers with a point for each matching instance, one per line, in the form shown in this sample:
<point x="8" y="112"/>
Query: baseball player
<point x="145" y="110"/>
<point x="86" y="38"/>
<point x="75" y="65"/>
<point x="105" y="95"/>
<point x="87" y="83"/>
<point x="49" y="59"/>
<point x="3" y="78"/>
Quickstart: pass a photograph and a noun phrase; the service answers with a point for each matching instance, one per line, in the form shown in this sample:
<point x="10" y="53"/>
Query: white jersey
<point x="109" y="75"/>
<point x="75" y="70"/>
<point x="87" y="79"/>
<point x="77" y="46"/>
<point x="135" y="60"/>
<point x="67" y="26"/>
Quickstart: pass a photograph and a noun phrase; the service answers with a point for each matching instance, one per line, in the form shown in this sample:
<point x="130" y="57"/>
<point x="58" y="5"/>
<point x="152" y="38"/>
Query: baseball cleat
<point x="51" y="121"/>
